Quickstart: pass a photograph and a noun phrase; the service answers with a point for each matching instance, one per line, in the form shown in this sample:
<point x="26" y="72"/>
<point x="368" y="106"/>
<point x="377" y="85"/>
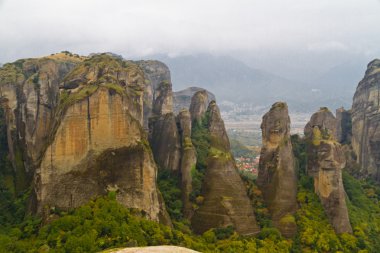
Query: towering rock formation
<point x="325" y="163"/>
<point x="159" y="117"/>
<point x="188" y="160"/>
<point x="182" y="98"/>
<point x="225" y="199"/>
<point x="80" y="125"/>
<point x="366" y="121"/>
<point x="277" y="177"/>
<point x="165" y="141"/>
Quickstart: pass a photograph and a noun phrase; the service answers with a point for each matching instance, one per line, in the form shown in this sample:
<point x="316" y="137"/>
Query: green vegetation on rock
<point x="13" y="196"/>
<point x="103" y="223"/>
<point x="315" y="234"/>
<point x="200" y="138"/>
<point x="169" y="186"/>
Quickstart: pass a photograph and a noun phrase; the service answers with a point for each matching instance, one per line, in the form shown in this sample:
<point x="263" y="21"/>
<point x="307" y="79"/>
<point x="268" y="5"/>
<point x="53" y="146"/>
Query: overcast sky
<point x="265" y="28"/>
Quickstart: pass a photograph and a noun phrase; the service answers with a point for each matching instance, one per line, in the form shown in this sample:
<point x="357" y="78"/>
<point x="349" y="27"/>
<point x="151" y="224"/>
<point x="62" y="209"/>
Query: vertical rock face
<point x="80" y="122"/>
<point x="343" y="130"/>
<point x="29" y="91"/>
<point x="225" y="199"/>
<point x="325" y="163"/>
<point x="188" y="160"/>
<point x="366" y="121"/>
<point x="165" y="141"/>
<point x="198" y="106"/>
<point x="277" y="177"/>
<point x="159" y="117"/>
<point x="94" y="152"/>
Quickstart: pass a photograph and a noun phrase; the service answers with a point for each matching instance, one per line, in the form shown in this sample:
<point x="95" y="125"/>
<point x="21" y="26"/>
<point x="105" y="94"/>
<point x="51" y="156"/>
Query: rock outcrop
<point x="158" y="98"/>
<point x="165" y="141"/>
<point x="366" y="121"/>
<point x="198" y="105"/>
<point x="182" y="98"/>
<point x="79" y="121"/>
<point x="326" y="161"/>
<point x="277" y="176"/>
<point x="225" y="199"/>
<point x="29" y="93"/>
<point x="326" y="120"/>
<point x="159" y="118"/>
<point x="188" y="160"/>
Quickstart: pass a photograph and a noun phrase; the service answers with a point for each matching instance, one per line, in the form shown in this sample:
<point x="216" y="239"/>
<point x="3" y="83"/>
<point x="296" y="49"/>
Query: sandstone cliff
<point x="366" y="120"/>
<point x="325" y="163"/>
<point x="225" y="200"/>
<point x="79" y="122"/>
<point x="29" y="93"/>
<point x="277" y="177"/>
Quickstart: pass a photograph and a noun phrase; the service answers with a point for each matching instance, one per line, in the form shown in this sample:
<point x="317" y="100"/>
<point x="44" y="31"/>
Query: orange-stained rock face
<point x="92" y="131"/>
<point x="95" y="123"/>
<point x="74" y="129"/>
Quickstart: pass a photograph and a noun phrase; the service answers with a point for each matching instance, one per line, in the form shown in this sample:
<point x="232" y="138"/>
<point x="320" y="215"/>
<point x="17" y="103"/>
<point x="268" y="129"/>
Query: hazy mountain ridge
<point x="234" y="81"/>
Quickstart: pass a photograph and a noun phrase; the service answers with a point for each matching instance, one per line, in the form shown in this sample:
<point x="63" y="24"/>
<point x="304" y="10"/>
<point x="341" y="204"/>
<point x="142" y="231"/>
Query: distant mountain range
<point x="232" y="80"/>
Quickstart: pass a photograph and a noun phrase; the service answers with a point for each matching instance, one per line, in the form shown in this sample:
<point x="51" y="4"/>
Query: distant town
<point x="248" y="164"/>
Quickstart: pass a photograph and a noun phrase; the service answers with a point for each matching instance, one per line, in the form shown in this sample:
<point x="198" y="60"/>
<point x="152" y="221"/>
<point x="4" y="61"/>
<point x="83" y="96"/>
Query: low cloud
<point x="327" y="46"/>
<point x="139" y="28"/>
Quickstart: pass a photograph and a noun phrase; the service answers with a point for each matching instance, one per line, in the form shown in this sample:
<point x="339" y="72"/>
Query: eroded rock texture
<point x="277" y="177"/>
<point x="225" y="199"/>
<point x="165" y="141"/>
<point x="159" y="116"/>
<point x="29" y="93"/>
<point x="366" y="122"/>
<point x="79" y="122"/>
<point x="326" y="161"/>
